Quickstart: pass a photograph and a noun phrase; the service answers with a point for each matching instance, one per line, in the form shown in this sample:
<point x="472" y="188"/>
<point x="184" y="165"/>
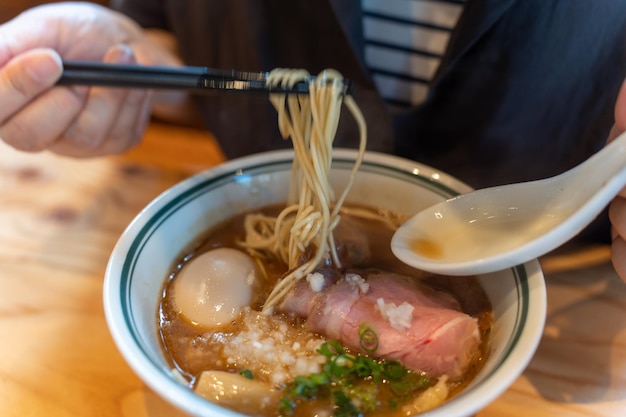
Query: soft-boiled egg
<point x="212" y="288"/>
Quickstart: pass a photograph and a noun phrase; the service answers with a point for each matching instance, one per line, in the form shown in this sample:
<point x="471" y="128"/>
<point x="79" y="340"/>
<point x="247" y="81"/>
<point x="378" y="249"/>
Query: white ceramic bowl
<point x="155" y="238"/>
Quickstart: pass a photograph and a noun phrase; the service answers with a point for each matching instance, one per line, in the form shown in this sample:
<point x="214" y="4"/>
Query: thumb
<point x="619" y="113"/>
<point x="26" y="76"/>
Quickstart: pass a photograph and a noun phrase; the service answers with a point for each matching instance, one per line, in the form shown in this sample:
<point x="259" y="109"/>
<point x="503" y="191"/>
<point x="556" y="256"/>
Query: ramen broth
<point x="272" y="349"/>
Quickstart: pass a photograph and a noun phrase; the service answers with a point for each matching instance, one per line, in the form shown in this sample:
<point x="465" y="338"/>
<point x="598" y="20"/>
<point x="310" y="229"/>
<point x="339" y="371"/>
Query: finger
<point x="41" y="122"/>
<point x="112" y="121"/>
<point x="26" y="77"/>
<point x="618" y="257"/>
<point x="617" y="215"/>
<point x="132" y="122"/>
<point x="619" y="113"/>
<point x="620" y="109"/>
<point x="92" y="127"/>
<point x="126" y="133"/>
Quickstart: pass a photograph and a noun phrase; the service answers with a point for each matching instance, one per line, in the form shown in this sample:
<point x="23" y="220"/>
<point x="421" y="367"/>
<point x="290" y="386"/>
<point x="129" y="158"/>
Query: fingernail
<point x="122" y="54"/>
<point x="45" y="67"/>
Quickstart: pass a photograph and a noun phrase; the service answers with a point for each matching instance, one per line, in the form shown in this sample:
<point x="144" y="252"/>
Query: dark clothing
<point x="526" y="89"/>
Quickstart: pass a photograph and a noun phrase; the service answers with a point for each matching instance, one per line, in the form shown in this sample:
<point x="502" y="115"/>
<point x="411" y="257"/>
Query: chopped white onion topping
<point x="356" y="280"/>
<point x="316" y="281"/>
<point x="399" y="317"/>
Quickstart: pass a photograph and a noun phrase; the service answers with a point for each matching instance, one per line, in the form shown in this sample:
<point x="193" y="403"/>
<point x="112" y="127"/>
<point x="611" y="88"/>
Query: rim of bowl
<point x="529" y="277"/>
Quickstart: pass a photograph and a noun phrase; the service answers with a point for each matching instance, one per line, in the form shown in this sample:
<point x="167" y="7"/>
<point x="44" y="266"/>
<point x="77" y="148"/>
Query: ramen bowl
<point x="155" y="239"/>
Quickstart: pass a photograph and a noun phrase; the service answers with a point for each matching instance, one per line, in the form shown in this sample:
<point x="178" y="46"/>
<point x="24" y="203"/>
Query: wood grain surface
<point x="60" y="218"/>
<point x="59" y="221"/>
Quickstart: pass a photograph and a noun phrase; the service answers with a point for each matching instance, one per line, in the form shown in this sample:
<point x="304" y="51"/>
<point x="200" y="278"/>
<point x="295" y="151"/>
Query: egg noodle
<point x="304" y="229"/>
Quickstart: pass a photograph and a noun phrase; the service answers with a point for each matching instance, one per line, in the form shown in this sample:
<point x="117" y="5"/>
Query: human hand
<point x="617" y="208"/>
<point x="36" y="114"/>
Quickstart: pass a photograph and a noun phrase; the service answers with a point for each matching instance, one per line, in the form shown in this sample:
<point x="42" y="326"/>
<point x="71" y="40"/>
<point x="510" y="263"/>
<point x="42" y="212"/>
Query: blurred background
<point x="11" y="8"/>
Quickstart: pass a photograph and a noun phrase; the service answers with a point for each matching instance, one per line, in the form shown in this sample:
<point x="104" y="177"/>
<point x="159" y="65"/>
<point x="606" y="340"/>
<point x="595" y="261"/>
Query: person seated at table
<point x="489" y="91"/>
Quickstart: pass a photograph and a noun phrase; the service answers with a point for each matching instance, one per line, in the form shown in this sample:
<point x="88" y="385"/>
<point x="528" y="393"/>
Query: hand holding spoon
<point x="500" y="227"/>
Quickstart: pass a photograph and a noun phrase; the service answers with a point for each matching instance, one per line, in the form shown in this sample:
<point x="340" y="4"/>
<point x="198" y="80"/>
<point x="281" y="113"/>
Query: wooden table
<point x="60" y="218"/>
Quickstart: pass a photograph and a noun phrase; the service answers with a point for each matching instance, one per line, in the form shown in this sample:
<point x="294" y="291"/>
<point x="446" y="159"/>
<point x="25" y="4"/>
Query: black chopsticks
<point x="196" y="79"/>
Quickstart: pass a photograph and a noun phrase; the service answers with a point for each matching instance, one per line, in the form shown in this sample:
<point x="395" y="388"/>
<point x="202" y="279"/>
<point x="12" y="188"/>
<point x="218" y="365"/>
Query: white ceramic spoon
<point x="500" y="227"/>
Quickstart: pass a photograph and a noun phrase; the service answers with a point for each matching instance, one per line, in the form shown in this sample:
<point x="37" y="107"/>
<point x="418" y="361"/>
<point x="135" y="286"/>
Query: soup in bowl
<point x="191" y="358"/>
